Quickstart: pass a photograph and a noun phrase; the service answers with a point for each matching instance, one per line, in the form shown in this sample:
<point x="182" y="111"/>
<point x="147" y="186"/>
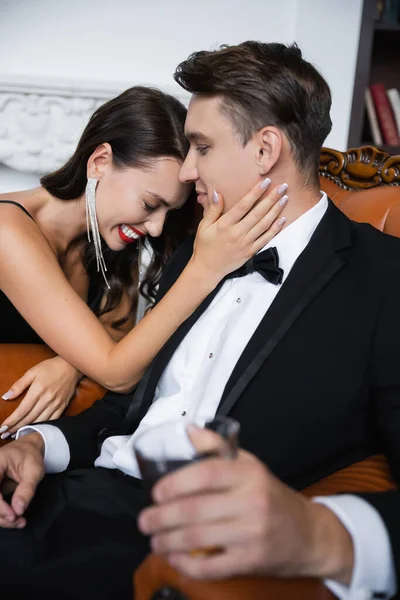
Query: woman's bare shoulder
<point x="13" y="207"/>
<point x="24" y="201"/>
<point x="16" y="226"/>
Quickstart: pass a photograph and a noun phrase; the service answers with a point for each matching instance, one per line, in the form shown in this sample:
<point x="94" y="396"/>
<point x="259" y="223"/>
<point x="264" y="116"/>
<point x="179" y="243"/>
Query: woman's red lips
<point x="137" y="231"/>
<point x="124" y="235"/>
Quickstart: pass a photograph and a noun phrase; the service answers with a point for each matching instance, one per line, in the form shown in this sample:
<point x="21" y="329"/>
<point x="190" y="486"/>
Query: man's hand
<point x="21" y="461"/>
<point x="263" y="526"/>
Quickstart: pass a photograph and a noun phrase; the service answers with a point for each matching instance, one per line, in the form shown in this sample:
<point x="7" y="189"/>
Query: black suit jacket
<point x="318" y="385"/>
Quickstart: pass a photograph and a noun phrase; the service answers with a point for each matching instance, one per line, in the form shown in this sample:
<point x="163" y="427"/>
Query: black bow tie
<point x="266" y="263"/>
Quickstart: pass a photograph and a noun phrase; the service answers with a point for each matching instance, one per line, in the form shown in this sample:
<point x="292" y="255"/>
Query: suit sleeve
<point x="385" y="397"/>
<point x="86" y="432"/>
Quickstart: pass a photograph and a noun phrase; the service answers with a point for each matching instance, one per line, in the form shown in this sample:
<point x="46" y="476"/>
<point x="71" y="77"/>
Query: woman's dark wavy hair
<point x="140" y="125"/>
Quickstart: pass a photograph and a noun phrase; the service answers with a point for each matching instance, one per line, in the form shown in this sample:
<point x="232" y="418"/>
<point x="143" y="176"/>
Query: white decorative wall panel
<point x="49" y="49"/>
<point x="40" y="123"/>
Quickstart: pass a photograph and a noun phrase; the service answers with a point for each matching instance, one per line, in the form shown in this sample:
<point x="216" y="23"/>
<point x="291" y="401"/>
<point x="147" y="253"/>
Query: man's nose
<point x="188" y="172"/>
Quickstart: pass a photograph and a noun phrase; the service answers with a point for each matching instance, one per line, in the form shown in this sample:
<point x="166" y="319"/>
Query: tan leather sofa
<point x="363" y="184"/>
<point x="16" y="359"/>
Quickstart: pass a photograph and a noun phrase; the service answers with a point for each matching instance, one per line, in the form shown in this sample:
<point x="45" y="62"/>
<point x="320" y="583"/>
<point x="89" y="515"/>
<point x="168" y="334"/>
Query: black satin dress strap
<point x="19" y="206"/>
<point x="13" y="327"/>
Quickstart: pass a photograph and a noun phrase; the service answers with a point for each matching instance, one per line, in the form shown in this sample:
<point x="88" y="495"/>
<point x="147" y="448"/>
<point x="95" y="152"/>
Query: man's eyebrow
<point x="196" y="136"/>
<point x="158" y="198"/>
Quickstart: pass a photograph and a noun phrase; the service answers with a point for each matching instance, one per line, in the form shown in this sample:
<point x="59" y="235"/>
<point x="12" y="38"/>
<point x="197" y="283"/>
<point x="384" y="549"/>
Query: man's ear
<point x="269" y="147"/>
<point x="99" y="161"/>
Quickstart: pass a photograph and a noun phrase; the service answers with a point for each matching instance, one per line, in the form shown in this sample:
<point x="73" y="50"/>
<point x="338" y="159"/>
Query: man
<point x="308" y="364"/>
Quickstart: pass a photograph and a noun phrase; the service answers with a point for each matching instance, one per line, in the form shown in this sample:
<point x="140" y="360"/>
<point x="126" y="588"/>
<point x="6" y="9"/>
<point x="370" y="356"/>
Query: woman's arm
<point x="122" y="310"/>
<point x="34" y="282"/>
<point x="51" y="384"/>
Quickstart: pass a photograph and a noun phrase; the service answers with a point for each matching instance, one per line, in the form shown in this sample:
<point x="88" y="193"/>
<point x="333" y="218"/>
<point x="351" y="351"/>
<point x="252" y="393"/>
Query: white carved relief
<point x="40" y="124"/>
<point x="38" y="133"/>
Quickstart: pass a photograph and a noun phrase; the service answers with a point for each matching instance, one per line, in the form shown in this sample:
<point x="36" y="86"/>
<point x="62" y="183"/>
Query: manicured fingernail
<point x="215" y="197"/>
<point x="281" y="221"/>
<point x="282" y="188"/>
<point x="4" y="436"/>
<point x="3" y="429"/>
<point x="8" y="395"/>
<point x="283" y="200"/>
<point x="265" y="183"/>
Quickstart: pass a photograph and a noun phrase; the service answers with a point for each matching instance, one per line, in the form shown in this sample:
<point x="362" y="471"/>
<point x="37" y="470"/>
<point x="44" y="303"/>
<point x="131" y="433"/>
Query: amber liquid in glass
<point x="153" y="470"/>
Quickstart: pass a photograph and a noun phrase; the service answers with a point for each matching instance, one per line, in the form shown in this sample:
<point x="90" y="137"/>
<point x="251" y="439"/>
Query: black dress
<point x="13" y="327"/>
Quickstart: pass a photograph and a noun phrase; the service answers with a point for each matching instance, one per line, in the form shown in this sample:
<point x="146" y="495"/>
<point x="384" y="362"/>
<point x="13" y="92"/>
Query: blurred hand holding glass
<point x="167" y="447"/>
<point x="164" y="448"/>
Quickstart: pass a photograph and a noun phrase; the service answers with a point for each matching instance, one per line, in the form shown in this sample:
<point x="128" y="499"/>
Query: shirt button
<point x="238" y="300"/>
<point x="183" y="413"/>
<point x="210" y="355"/>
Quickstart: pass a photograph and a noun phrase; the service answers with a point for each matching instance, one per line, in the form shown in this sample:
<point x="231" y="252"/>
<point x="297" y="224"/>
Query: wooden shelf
<point x="378" y="61"/>
<point x="390" y="149"/>
<point x="394" y="150"/>
<point x="387" y="26"/>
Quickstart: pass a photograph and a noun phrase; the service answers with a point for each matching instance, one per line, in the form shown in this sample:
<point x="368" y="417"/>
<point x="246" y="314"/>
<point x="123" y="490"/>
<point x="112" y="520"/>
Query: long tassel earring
<point x="92" y="224"/>
<point x="141" y="302"/>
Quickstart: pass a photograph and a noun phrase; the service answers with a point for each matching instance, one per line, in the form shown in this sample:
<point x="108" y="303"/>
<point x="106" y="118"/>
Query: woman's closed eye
<point x="149" y="207"/>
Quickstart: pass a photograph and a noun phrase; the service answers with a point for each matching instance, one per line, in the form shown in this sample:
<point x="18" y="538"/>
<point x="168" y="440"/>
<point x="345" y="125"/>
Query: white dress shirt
<point x="192" y="384"/>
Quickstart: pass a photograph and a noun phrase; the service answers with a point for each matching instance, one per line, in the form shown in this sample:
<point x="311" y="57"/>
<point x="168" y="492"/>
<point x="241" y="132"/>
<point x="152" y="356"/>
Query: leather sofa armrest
<point x="156" y="576"/>
<point x="16" y="359"/>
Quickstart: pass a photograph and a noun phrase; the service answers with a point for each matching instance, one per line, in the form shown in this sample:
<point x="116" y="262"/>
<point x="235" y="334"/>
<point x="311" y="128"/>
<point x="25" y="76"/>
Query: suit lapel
<point x="323" y="257"/>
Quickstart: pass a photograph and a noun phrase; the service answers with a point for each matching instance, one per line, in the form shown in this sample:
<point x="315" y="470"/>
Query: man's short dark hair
<point x="266" y="84"/>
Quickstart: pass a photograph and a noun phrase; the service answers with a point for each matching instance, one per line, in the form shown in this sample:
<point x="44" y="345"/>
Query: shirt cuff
<point x="56" y="449"/>
<point x="374" y="571"/>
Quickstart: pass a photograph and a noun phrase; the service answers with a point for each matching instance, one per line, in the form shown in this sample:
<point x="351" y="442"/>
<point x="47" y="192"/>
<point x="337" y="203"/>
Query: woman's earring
<point x="142" y="302"/>
<point x="140" y="266"/>
<point x="92" y="224"/>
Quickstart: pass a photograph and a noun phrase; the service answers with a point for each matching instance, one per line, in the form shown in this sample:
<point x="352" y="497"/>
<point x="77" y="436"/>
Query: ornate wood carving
<point x="360" y="168"/>
<point x="38" y="133"/>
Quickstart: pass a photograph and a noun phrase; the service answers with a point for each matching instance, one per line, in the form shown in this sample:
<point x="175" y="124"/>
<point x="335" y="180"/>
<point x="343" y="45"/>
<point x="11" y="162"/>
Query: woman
<point x="119" y="185"/>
